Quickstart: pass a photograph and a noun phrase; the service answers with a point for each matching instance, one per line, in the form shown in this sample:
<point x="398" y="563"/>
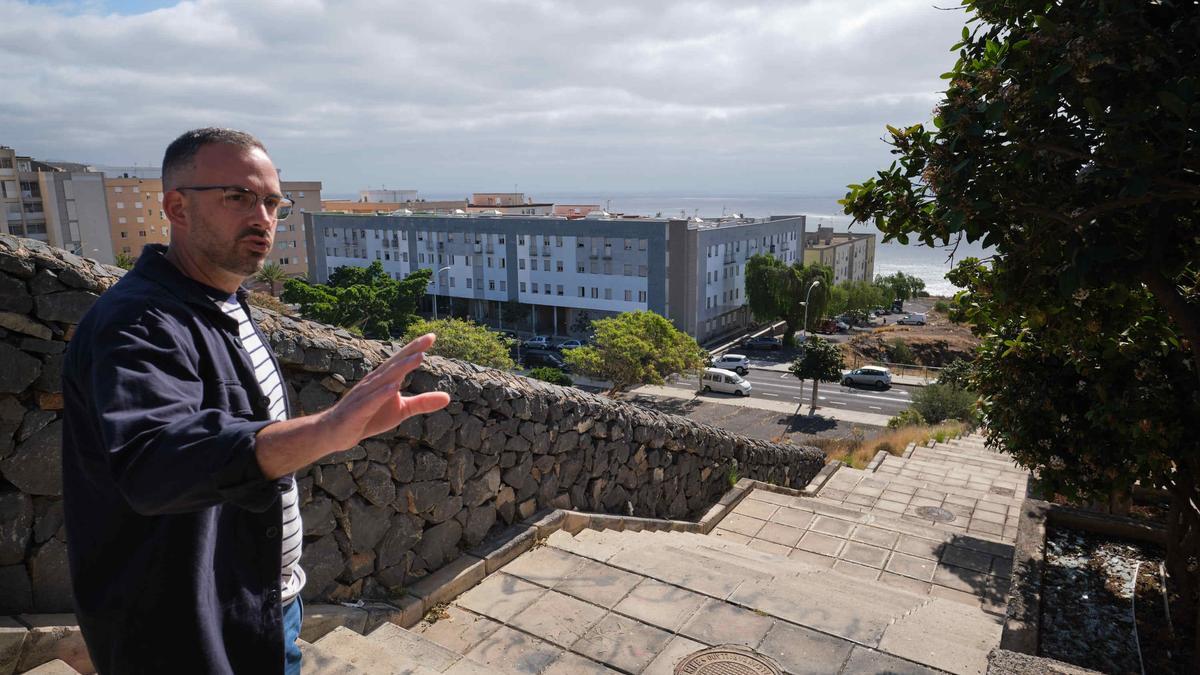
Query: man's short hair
<point x="181" y="153"/>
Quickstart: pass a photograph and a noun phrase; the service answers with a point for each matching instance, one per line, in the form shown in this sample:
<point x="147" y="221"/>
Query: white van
<point x="717" y="379"/>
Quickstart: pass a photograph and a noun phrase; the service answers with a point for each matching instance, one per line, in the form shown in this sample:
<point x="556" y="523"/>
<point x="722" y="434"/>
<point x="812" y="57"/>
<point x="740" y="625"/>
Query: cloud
<point x="460" y="95"/>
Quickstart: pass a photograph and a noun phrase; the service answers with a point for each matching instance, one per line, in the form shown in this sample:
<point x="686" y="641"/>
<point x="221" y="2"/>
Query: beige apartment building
<point x="291" y="251"/>
<point x="60" y="203"/>
<point x="851" y="255"/>
<point x="135" y="214"/>
<point x="438" y="207"/>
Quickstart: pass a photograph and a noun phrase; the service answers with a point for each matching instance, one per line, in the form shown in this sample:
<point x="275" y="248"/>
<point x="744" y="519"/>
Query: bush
<point x="958" y="374"/>
<point x="941" y="306"/>
<point x="551" y="375"/>
<point x="886" y="447"/>
<point x="268" y="301"/>
<point x="900" y="352"/>
<point x="906" y="418"/>
<point x="937" y="402"/>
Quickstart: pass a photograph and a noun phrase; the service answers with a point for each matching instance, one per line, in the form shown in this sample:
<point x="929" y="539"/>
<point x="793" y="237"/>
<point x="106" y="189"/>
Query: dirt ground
<point x="937" y="343"/>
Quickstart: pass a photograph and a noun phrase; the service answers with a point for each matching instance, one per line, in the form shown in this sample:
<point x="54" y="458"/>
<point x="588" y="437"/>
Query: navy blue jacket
<point x="172" y="529"/>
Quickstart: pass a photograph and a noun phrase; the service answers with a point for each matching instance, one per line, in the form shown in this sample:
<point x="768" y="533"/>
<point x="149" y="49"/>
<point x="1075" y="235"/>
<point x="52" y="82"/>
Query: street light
<point x="804" y="328"/>
<point x="437" y="286"/>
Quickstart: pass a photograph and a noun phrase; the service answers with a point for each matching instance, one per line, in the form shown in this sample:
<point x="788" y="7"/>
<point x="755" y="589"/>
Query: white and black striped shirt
<point x="291" y="578"/>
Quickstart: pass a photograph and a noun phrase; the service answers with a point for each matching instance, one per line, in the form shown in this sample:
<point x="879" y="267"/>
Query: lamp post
<point x="437" y="286"/>
<point x="804" y="328"/>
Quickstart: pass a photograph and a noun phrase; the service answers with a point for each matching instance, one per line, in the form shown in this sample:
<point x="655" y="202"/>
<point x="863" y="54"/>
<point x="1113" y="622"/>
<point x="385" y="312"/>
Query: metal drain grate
<point x="727" y="660"/>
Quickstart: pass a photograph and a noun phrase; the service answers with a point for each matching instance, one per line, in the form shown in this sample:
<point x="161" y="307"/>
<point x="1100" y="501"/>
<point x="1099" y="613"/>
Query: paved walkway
<point x="862" y="578"/>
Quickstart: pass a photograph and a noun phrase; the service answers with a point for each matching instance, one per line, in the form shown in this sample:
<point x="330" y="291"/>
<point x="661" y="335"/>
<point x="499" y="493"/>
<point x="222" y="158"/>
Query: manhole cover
<point x="935" y="513"/>
<point x="727" y="660"/>
<point x="1003" y="492"/>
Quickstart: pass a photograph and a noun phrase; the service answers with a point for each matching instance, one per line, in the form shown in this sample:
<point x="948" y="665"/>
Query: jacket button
<point x="272" y="595"/>
<point x="272" y="532"/>
<point x="264" y="401"/>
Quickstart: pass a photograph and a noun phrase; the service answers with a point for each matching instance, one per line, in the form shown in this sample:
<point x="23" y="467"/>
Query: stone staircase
<point x="899" y="568"/>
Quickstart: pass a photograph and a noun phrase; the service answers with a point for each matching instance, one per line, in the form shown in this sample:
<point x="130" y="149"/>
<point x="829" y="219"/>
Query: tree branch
<point x="1178" y="308"/>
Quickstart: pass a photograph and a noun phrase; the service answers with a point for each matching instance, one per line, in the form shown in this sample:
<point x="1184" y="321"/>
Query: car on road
<point x="545" y="360"/>
<point x="537" y="342"/>
<point x="877" y="377"/>
<point x="567" y="345"/>
<point x="719" y="379"/>
<point x="912" y="320"/>
<point x="763" y="342"/>
<point x="738" y="363"/>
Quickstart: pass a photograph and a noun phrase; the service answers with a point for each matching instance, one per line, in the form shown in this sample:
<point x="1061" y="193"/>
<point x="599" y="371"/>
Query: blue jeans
<point x="293" y="615"/>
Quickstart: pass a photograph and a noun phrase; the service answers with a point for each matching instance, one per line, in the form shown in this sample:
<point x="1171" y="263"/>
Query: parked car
<point x="719" y="379"/>
<point x="868" y="376"/>
<point x="566" y="345"/>
<point x="738" y="363"/>
<point x="763" y="342"/>
<point x="537" y="342"/>
<point x="545" y="360"/>
<point x="912" y="320"/>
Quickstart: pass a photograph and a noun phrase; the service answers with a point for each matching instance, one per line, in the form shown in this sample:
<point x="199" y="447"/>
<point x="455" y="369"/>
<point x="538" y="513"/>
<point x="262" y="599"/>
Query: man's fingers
<point x="422" y="404"/>
<point x="400" y="364"/>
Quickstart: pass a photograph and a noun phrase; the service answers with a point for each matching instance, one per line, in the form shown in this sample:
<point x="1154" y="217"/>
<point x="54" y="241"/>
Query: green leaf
<point x="1173" y="103"/>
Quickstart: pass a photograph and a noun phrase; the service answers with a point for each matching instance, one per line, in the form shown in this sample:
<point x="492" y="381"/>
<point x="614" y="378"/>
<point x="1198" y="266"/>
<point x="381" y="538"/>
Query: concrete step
<point x="319" y="661"/>
<point x="55" y="667"/>
<point x="389" y="650"/>
<point x="862" y="611"/>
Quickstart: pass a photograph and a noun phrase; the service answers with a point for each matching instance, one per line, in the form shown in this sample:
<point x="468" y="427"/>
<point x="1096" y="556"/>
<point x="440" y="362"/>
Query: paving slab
<point x="801" y="651"/>
<point x="510" y="651"/>
<point x="870" y="661"/>
<point x="573" y="664"/>
<point x="557" y="618"/>
<point x="457" y="630"/>
<point x="500" y="596"/>
<point x="599" y="584"/>
<point x="663" y="605"/>
<point x="720" y="623"/>
<point x="944" y="635"/>
<point x="669" y="656"/>
<point x="622" y="643"/>
<point x="407" y="647"/>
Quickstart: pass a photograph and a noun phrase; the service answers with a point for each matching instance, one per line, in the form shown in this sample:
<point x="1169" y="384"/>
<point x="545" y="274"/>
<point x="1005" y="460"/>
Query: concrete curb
<point x="814" y="486"/>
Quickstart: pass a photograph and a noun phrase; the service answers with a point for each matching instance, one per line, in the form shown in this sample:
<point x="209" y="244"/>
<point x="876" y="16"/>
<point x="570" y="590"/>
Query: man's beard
<point x="232" y="259"/>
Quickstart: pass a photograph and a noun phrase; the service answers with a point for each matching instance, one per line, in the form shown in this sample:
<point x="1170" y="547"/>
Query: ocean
<point x="928" y="264"/>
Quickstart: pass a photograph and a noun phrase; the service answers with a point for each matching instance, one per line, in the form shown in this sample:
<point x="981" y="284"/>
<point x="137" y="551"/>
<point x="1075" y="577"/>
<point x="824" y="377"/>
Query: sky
<point x="453" y="96"/>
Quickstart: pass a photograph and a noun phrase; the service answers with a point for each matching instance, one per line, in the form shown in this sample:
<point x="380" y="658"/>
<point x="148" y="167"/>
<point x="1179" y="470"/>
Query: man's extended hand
<point x="373" y="406"/>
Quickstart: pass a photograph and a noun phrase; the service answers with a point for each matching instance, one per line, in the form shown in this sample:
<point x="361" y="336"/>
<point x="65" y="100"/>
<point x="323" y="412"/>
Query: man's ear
<point x="175" y="209"/>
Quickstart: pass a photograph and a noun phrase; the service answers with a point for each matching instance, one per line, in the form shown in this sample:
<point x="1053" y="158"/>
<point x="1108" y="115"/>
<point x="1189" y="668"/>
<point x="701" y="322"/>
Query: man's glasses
<point x="243" y="200"/>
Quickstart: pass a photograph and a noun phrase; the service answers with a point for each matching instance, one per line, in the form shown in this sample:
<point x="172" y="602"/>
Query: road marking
<point x="878" y="398"/>
<point x="838" y="402"/>
<point x="797" y="398"/>
<point x="786" y="376"/>
<point x="874" y="407"/>
<point x="767" y="393"/>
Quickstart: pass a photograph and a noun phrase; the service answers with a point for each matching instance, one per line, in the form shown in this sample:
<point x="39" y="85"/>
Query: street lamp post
<point x="437" y="286"/>
<point x="804" y="328"/>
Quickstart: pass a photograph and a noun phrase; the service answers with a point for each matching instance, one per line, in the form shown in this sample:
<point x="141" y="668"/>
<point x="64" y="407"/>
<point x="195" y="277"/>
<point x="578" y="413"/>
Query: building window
<point x="468" y="282"/>
<point x="641" y="296"/>
<point x="628" y="270"/>
<point x="421" y="258"/>
<point x="491" y="285"/>
<point x="120" y="205"/>
<point x="581" y="269"/>
<point x="116" y="189"/>
<point x="641" y="244"/>
<point x="558" y="243"/>
<point x="559" y="289"/>
<point x="141" y="233"/>
<point x="452" y="282"/>
<point x="641" y="270"/>
<point x="137" y="205"/>
<point x="521" y="264"/>
<point x="404" y="256"/>
<point x="141" y="219"/>
<point x="546" y="265"/>
<point x="628" y="296"/>
<point x="628" y="244"/>
<point x="520" y="240"/>
<point x="595" y="292"/>
<point x="608" y="294"/>
<point x="522" y="287"/>
<point x="503" y="286"/>
<point x="535" y="287"/>
<point x="124" y="235"/>
<point x="581" y="291"/>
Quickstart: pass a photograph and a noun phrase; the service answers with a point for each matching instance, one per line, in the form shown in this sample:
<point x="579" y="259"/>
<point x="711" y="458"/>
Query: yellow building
<point x="851" y="255"/>
<point x="135" y="214"/>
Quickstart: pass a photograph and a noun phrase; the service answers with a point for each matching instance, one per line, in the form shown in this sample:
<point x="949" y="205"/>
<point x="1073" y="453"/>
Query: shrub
<point x="551" y="375"/>
<point x="906" y="418"/>
<point x="941" y="306"/>
<point x="886" y="447"/>
<point x="268" y="301"/>
<point x="958" y="373"/>
<point x="900" y="352"/>
<point x="937" y="402"/>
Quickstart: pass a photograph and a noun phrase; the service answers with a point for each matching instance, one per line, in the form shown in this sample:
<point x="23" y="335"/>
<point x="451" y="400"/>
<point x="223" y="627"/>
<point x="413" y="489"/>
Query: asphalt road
<point x="785" y="387"/>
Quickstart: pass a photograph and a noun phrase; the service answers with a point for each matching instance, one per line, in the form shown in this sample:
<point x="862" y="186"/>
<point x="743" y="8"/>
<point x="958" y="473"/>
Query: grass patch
<point x="858" y="451"/>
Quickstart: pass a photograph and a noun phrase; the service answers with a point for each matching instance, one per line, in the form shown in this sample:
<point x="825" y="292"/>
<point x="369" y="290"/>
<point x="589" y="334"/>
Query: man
<point x="178" y="454"/>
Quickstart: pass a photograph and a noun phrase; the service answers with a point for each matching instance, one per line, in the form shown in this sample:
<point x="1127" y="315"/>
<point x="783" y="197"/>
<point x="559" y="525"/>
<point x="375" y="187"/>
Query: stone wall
<point x="385" y="513"/>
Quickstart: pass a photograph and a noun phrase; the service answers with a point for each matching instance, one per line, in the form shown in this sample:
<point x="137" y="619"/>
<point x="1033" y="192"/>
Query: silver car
<point x="868" y="376"/>
<point x="738" y="363"/>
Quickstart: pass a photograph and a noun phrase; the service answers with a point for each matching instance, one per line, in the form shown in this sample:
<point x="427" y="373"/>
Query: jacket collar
<point x="154" y="266"/>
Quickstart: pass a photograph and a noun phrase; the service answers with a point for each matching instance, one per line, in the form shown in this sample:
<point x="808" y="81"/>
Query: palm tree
<point x="272" y="273"/>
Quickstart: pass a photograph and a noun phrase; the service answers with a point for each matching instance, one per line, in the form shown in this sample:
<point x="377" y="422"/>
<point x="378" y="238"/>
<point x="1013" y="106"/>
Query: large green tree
<point x="821" y="361"/>
<point x="776" y="291"/>
<point x="1067" y="142"/>
<point x="362" y="298"/>
<point x="463" y="340"/>
<point x="901" y="286"/>
<point x="858" y="297"/>
<point x="636" y="348"/>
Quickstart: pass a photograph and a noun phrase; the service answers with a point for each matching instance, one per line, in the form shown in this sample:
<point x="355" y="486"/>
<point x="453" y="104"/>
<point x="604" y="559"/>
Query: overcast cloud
<point x="459" y="95"/>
